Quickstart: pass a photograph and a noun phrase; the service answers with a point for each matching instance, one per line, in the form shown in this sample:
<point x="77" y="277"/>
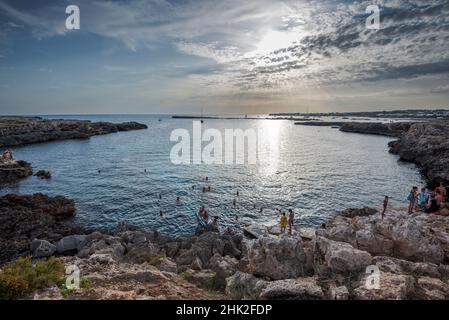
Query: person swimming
<point x="234" y="203"/>
<point x="178" y="200"/>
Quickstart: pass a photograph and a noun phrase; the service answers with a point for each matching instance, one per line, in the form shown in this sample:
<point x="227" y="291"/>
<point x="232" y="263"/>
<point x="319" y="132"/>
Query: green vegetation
<point x="21" y="277"/>
<point x="186" y="275"/>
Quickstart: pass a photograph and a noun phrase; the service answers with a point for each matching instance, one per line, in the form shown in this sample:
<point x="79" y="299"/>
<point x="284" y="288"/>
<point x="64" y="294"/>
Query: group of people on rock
<point x="428" y="201"/>
<point x="6" y="157"/>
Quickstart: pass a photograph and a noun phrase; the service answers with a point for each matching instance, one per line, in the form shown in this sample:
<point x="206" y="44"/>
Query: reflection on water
<point x="314" y="170"/>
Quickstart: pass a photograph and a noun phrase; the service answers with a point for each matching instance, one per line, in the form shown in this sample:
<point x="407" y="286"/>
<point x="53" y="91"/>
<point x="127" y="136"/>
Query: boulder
<point x="411" y="242"/>
<point x="432" y="289"/>
<point x="42" y="248"/>
<point x="276" y="258"/>
<point x="43" y="174"/>
<point x="342" y="257"/>
<point x="289" y="289"/>
<point x="338" y="292"/>
<point x="244" y="286"/>
<point x="71" y="244"/>
<point x="223" y="267"/>
<point x="168" y="265"/>
<point x="392" y="287"/>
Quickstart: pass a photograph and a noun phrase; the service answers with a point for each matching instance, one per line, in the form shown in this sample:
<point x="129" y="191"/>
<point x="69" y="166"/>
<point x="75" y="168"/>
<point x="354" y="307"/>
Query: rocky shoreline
<point x="15" y="131"/>
<point x="423" y="143"/>
<point x="408" y="253"/>
<point x="411" y="253"/>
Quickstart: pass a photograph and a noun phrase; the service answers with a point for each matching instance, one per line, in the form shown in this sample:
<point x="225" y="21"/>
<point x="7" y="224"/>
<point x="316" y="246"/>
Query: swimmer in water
<point x="261" y="210"/>
<point x="234" y="202"/>
<point x="160" y="196"/>
<point x="161" y="213"/>
<point x="238" y="193"/>
<point x="178" y="200"/>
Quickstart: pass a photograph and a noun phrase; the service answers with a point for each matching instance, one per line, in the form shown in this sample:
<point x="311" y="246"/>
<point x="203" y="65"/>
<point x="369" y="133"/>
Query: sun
<point x="274" y="40"/>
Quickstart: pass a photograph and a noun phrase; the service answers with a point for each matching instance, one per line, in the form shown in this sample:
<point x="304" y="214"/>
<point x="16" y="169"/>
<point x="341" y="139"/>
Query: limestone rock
<point x="276" y="258"/>
<point x="42" y="248"/>
<point x="342" y="257"/>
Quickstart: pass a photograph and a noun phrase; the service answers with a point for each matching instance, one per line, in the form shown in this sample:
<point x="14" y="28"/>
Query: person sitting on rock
<point x="439" y="196"/>
<point x="7" y="156"/>
<point x="441" y="189"/>
<point x="433" y="206"/>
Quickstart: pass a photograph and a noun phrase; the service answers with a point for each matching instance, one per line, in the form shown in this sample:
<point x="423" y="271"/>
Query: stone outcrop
<point x="14" y="171"/>
<point x="426" y="144"/>
<point x="35" y="130"/>
<point x="394" y="129"/>
<point x="276" y="258"/>
<point x="26" y="218"/>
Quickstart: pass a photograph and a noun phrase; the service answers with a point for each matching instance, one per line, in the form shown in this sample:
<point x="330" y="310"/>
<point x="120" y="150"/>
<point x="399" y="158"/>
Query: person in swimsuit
<point x="291" y="218"/>
<point x="283" y="222"/>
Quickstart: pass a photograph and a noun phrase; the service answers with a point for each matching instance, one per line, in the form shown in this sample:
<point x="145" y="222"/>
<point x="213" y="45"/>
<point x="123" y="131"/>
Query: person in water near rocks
<point x="201" y="211"/>
<point x="412" y="196"/>
<point x="283" y="222"/>
<point x="385" y="205"/>
<point x="291" y="218"/>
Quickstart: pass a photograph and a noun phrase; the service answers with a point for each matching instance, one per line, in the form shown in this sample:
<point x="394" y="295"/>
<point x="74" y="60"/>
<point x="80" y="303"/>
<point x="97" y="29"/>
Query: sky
<point x="222" y="57"/>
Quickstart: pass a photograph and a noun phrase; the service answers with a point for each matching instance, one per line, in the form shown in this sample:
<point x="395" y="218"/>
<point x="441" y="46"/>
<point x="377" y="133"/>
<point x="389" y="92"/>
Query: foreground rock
<point x="26" y="218"/>
<point x="408" y="253"/>
<point x="18" y="131"/>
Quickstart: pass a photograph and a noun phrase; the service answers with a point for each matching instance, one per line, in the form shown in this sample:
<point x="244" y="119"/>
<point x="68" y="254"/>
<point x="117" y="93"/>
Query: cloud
<point x="254" y="46"/>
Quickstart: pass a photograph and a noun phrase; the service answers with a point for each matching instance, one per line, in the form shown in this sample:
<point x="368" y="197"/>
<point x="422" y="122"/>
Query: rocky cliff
<point x="409" y="252"/>
<point x="426" y="144"/>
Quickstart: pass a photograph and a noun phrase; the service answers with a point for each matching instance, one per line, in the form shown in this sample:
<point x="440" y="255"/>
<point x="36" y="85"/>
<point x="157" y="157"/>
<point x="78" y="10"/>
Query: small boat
<point x="335" y="127"/>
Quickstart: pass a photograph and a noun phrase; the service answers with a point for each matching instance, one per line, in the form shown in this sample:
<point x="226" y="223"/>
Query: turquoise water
<point x="316" y="171"/>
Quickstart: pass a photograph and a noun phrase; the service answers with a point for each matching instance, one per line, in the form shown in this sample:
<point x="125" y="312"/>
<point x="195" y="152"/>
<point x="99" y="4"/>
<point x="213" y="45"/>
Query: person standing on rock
<point x="385" y="206"/>
<point x="412" y="199"/>
<point x="291" y="218"/>
<point x="283" y="222"/>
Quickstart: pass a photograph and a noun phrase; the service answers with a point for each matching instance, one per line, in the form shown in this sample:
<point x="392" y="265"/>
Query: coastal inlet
<point x="316" y="171"/>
